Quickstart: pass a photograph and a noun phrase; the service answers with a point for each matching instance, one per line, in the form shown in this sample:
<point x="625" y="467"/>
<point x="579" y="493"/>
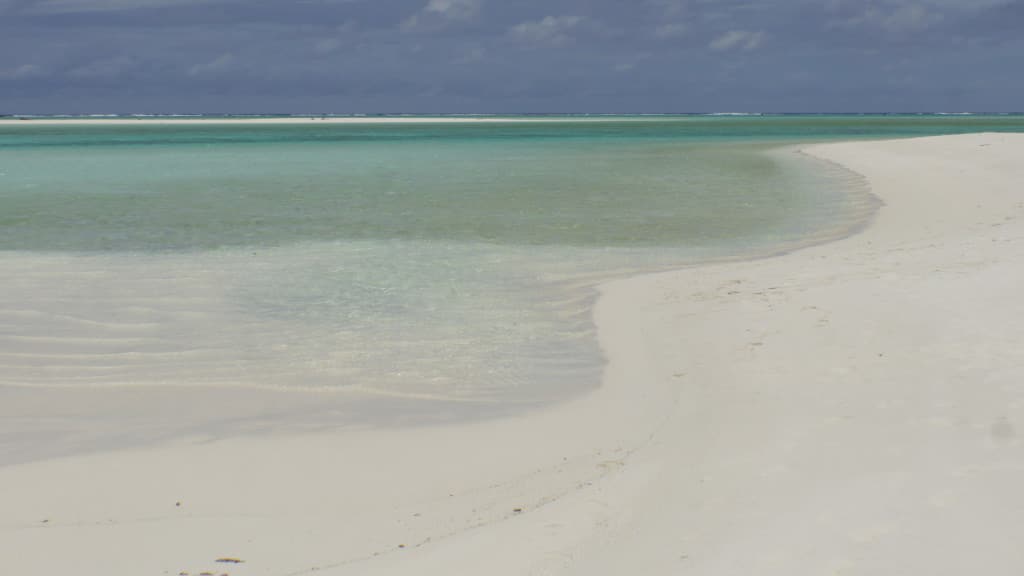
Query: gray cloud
<point x="474" y="55"/>
<point x="737" y="40"/>
<point x="80" y="6"/>
<point x="895" y="19"/>
<point x="438" y="13"/>
<point x="550" y="29"/>
<point x="454" y="9"/>
<point x="22" y="71"/>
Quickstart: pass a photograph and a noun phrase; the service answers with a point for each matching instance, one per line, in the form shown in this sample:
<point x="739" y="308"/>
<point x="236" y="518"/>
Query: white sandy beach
<point x="850" y="408"/>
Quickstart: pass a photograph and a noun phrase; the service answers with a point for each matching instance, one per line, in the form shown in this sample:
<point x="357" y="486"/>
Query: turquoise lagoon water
<point x="438" y="264"/>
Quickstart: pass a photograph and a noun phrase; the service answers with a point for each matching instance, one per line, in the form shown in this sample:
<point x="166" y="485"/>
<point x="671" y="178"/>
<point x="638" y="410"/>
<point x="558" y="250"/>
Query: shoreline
<point x="850" y="406"/>
<point x="164" y="412"/>
<point x="853" y="407"/>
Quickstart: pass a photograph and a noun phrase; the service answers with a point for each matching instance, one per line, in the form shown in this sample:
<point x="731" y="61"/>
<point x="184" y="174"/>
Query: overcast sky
<point x="372" y="56"/>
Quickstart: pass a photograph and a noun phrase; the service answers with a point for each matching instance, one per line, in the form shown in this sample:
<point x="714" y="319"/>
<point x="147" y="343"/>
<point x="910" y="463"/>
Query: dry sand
<point x="851" y="408"/>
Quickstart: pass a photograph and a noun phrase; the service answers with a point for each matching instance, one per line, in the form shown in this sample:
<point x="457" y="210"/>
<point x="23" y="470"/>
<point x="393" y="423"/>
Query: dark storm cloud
<point x="84" y="56"/>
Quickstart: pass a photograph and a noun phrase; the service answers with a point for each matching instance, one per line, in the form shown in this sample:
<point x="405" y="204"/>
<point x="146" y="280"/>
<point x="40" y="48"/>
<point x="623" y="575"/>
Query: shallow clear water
<point x="182" y="191"/>
<point x="445" y="263"/>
